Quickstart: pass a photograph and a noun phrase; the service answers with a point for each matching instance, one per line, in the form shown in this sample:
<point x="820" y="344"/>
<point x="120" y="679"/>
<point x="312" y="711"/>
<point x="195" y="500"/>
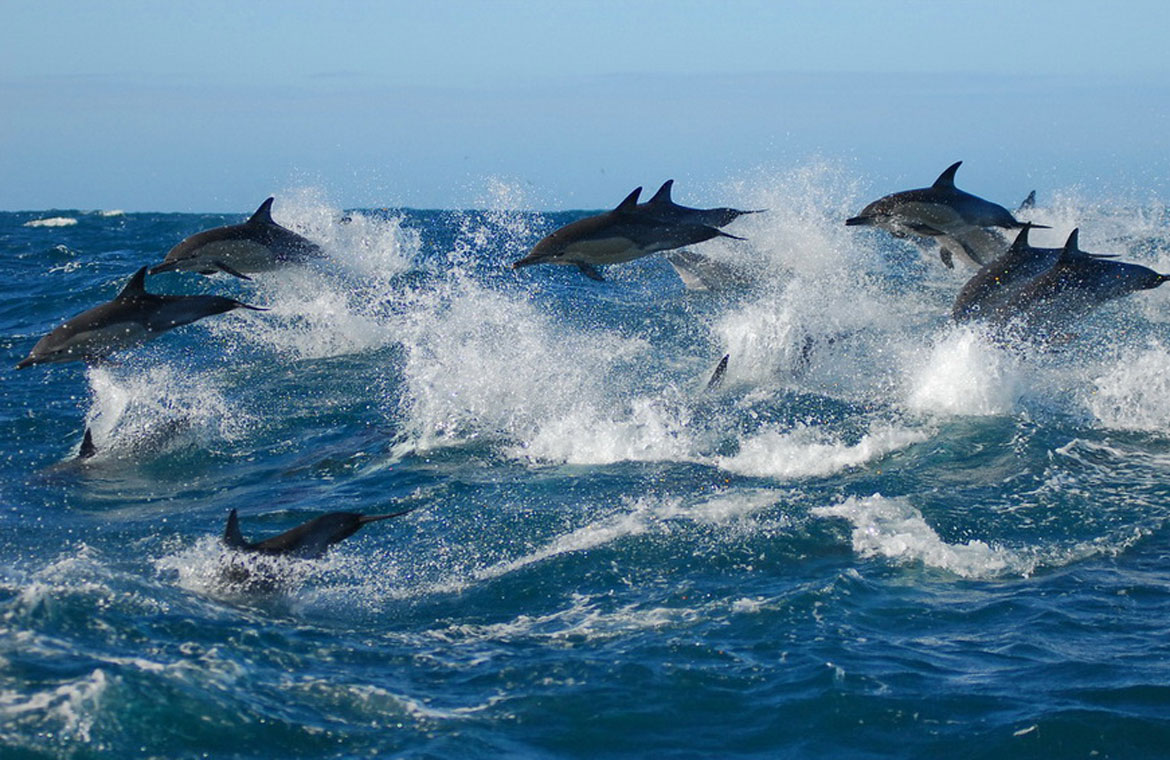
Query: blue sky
<point x="211" y="106"/>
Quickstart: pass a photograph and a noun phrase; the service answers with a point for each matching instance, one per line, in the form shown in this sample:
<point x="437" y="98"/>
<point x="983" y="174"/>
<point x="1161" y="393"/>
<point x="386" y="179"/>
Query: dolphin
<point x="133" y="317"/>
<point x="1072" y="287"/>
<point x="699" y="272"/>
<point x="307" y="541"/>
<point x="996" y="282"/>
<point x="257" y="245"/>
<point x="662" y="208"/>
<point x="943" y="211"/>
<point x="615" y="237"/>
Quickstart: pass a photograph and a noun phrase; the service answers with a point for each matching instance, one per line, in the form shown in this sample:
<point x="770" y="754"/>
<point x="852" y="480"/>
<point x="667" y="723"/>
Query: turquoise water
<point x="881" y="537"/>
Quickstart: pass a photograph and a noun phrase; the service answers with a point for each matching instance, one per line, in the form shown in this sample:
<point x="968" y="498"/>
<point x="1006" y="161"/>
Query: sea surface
<point x="881" y="536"/>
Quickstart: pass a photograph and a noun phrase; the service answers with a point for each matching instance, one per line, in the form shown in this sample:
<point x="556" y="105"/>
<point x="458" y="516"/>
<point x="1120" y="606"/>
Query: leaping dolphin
<point x="307" y="541"/>
<point x="942" y="211"/>
<point x="995" y="283"/>
<point x="1075" y="285"/>
<point x="664" y="209"/>
<point x="615" y="237"/>
<point x="133" y="317"/>
<point x="257" y="245"/>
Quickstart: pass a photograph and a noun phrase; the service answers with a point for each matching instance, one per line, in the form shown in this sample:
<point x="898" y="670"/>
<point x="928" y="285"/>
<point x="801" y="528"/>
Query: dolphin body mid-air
<point x="998" y="281"/>
<point x="615" y="237"/>
<point x="964" y="224"/>
<point x="1074" y="286"/>
<point x="257" y="245"/>
<point x="661" y="207"/>
<point x="133" y="317"/>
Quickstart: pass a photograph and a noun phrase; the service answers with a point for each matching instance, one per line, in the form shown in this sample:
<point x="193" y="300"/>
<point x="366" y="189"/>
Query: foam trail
<point x="810" y="452"/>
<point x="1134" y="394"/>
<point x="894" y="529"/>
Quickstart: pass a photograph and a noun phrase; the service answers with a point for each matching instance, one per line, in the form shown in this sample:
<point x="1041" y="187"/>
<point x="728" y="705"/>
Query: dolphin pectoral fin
<point x="590" y="271"/>
<point x="717" y="376"/>
<point x="208" y="272"/>
<point x="721" y="233"/>
<point x="948" y="258"/>
<point x="225" y="268"/>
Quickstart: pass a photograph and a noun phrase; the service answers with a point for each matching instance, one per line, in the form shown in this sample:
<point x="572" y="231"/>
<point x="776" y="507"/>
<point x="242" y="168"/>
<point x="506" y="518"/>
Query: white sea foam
<point x="158" y="409"/>
<point x="52" y="221"/>
<point x="1134" y="393"/>
<point x="812" y="452"/>
<point x="892" y="528"/>
<point x="964" y="375"/>
<point x="69" y="710"/>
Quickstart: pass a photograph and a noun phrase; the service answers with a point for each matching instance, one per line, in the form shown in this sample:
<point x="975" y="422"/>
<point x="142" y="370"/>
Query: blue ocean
<point x="881" y="536"/>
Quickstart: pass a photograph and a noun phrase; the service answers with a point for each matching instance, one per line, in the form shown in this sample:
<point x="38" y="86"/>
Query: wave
<point x="53" y="221"/>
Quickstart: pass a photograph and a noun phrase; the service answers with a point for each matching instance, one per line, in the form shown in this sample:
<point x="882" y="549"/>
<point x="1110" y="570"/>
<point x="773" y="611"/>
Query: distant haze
<point x="213" y="106"/>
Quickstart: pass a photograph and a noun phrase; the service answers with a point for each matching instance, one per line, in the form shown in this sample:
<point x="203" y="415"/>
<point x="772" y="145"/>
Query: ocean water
<point x="882" y="536"/>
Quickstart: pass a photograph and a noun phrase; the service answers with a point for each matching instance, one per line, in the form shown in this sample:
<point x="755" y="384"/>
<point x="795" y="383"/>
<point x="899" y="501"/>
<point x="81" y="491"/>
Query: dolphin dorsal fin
<point x="135" y="288"/>
<point x="263" y="214"/>
<point x="631" y="200"/>
<point x="663" y="194"/>
<point x="87" y="450"/>
<point x="232" y="538"/>
<point x="1021" y="241"/>
<point x="946" y="180"/>
<point x="1071" y="246"/>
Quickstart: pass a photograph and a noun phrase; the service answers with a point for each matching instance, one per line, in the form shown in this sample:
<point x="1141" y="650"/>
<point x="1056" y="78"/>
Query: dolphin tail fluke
<point x="87" y="450"/>
<point x="364" y="519"/>
<point x="1028" y="203"/>
<point x="717" y="376"/>
<point x="234" y="273"/>
<point x="590" y="271"/>
<point x="232" y="538"/>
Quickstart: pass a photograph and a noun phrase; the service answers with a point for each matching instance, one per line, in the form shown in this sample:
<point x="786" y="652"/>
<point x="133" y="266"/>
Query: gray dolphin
<point x="699" y="272"/>
<point x="664" y="209"/>
<point x="960" y="220"/>
<point x="133" y="317"/>
<point x="615" y="237"/>
<point x="257" y="245"/>
<point x="309" y="540"/>
<point x="1072" y="287"/>
<point x="998" y="281"/>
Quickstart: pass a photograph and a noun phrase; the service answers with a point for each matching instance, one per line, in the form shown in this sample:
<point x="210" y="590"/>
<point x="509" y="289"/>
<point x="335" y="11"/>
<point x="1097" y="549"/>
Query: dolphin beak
<point x="28" y="361"/>
<point x="858" y="221"/>
<point x="166" y="266"/>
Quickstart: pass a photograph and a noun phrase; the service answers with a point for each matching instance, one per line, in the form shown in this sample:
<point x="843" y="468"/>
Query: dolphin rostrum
<point x="614" y="237"/>
<point x="960" y="220"/>
<point x="257" y="245"/>
<point x="662" y="208"/>
<point x="133" y="317"/>
<point x="307" y="541"/>
<point x="1072" y="287"/>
